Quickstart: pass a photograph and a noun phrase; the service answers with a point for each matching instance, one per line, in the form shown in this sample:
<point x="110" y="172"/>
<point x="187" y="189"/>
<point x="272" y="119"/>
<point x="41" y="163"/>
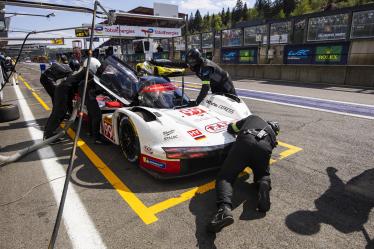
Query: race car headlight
<point x="192" y="152"/>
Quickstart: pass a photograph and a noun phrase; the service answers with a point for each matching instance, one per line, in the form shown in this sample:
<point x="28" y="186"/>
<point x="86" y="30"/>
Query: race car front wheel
<point x="129" y="140"/>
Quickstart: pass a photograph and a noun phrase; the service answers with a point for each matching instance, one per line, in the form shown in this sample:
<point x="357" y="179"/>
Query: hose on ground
<point x="4" y="160"/>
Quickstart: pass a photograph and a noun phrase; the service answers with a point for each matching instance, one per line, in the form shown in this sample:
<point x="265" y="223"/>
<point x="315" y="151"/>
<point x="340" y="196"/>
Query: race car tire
<point x="8" y="113"/>
<point x="129" y="140"/>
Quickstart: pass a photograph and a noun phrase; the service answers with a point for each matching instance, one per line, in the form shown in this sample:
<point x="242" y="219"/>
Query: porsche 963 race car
<point x="150" y="120"/>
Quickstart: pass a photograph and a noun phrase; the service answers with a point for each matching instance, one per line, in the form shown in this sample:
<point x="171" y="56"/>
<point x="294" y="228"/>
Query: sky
<point x="65" y="19"/>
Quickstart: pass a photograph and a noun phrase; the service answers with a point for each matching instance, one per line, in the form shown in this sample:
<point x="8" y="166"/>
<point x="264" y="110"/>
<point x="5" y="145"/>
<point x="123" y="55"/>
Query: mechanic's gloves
<point x="232" y="129"/>
<point x="275" y="126"/>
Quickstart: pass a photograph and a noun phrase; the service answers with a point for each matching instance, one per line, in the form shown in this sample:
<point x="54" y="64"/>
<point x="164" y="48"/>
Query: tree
<point x="190" y="24"/>
<point x="198" y="22"/>
<point x="264" y="8"/>
<point x="303" y="7"/>
<point x="206" y="23"/>
<point x="237" y="12"/>
<point x="288" y="6"/>
<point x="216" y="22"/>
<point x="281" y="14"/>
<point x="226" y="20"/>
<point x="245" y="14"/>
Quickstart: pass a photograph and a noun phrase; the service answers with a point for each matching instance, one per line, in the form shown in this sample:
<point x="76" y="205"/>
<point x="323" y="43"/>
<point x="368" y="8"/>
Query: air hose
<point x="4" y="160"/>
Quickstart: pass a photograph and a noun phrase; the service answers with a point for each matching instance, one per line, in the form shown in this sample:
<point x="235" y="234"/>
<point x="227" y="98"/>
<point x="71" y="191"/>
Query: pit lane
<point x="300" y="182"/>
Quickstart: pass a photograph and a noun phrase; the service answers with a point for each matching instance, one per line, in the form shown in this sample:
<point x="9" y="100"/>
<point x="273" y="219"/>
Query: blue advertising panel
<point x="302" y="54"/>
<point x="319" y="53"/>
<point x="239" y="55"/>
<point x="229" y="56"/>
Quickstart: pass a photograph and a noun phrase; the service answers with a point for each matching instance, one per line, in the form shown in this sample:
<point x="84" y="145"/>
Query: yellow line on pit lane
<point x="169" y="203"/>
<point x="127" y="195"/>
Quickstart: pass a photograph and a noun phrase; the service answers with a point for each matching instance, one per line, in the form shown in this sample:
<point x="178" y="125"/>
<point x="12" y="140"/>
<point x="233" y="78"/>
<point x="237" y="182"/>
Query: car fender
<point x="150" y="133"/>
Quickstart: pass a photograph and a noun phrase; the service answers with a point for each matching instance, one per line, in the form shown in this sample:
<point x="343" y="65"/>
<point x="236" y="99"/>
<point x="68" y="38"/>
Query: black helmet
<point x="74" y="65"/>
<point x="194" y="58"/>
<point x="275" y="126"/>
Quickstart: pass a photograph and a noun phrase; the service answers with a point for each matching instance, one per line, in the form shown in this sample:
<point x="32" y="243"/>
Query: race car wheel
<point x="129" y="140"/>
<point x="8" y="113"/>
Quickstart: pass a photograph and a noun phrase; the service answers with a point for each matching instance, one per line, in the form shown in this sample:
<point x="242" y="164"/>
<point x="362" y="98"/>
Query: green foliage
<point x="303" y="7"/>
<point x="197" y="22"/>
<point x="216" y="23"/>
<point x="268" y="9"/>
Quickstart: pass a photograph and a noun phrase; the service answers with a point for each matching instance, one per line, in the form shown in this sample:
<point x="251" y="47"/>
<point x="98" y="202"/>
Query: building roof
<point x="134" y="21"/>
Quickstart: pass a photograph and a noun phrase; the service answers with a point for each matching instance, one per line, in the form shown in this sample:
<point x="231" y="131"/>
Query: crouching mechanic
<point x="210" y="73"/>
<point x="55" y="72"/>
<point x="255" y="141"/>
<point x="62" y="95"/>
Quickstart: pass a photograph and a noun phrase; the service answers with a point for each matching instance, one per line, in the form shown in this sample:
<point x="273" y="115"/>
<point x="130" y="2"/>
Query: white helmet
<point x="8" y="58"/>
<point x="94" y="65"/>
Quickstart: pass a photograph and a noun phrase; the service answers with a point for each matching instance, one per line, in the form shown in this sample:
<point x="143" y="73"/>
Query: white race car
<point x="155" y="129"/>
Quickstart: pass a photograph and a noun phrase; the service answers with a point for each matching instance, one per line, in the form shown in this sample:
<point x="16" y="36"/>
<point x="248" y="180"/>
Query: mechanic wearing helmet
<point x="93" y="109"/>
<point x="61" y="96"/>
<point x="210" y="73"/>
<point x="55" y="72"/>
<point x="255" y="141"/>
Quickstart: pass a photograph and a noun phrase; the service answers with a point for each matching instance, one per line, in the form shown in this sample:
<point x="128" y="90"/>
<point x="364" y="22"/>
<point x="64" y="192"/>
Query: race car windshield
<point x="159" y="93"/>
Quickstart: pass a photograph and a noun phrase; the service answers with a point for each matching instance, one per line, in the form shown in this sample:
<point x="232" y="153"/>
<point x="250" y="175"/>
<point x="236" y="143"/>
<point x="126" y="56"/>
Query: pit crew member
<point x="61" y="96"/>
<point x="57" y="71"/>
<point x="212" y="75"/>
<point x="255" y="141"/>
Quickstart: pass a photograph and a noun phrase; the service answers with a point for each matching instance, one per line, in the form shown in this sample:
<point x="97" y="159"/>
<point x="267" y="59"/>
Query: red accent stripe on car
<point x="158" y="88"/>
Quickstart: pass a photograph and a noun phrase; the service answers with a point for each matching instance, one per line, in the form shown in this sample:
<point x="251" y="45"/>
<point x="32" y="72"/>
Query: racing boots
<point x="264" y="188"/>
<point x="221" y="219"/>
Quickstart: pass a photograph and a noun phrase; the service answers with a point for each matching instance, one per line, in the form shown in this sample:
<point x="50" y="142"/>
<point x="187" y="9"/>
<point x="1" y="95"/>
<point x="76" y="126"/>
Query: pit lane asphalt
<point x="315" y="200"/>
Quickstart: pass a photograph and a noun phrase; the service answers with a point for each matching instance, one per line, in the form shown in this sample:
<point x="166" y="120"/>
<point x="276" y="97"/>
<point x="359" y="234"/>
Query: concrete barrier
<point x="329" y="74"/>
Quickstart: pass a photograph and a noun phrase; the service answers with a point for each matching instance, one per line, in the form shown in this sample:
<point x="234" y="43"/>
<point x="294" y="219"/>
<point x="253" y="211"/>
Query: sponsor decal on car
<point x="170" y="137"/>
<point x="153" y="162"/>
<point x="225" y="108"/>
<point x="192" y="111"/>
<point x="217" y="127"/>
<point x="222" y="107"/>
<point x="168" y="133"/>
<point x="209" y="102"/>
<point x="196" y="134"/>
<point x="107" y="128"/>
<point x="148" y="149"/>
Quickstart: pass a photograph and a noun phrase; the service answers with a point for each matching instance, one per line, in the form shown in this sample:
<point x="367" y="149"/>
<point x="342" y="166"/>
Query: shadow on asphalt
<point x="37" y="124"/>
<point x="346" y="207"/>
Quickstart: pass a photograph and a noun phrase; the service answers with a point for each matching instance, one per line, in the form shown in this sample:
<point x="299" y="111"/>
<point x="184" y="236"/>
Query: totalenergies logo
<point x="148" y="31"/>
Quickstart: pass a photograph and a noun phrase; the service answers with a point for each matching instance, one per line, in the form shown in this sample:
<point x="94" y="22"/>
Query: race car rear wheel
<point x="129" y="140"/>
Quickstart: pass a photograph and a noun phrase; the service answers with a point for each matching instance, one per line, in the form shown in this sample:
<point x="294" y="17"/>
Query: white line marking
<point x="290" y="95"/>
<point x="79" y="226"/>
<point x="299" y="106"/>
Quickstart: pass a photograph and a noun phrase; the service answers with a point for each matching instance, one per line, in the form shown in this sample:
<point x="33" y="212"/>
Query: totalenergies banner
<point x="137" y="31"/>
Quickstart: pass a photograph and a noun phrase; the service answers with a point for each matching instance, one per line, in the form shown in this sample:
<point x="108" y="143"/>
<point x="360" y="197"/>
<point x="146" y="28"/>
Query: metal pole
<point x="72" y="155"/>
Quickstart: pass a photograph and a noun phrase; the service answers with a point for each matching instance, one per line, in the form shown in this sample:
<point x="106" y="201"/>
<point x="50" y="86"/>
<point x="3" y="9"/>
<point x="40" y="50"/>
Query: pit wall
<point x="350" y="75"/>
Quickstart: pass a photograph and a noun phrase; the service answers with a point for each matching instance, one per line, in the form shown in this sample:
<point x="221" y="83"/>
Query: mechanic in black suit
<point x="212" y="75"/>
<point x="254" y="144"/>
<point x="57" y="71"/>
<point x="62" y="95"/>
